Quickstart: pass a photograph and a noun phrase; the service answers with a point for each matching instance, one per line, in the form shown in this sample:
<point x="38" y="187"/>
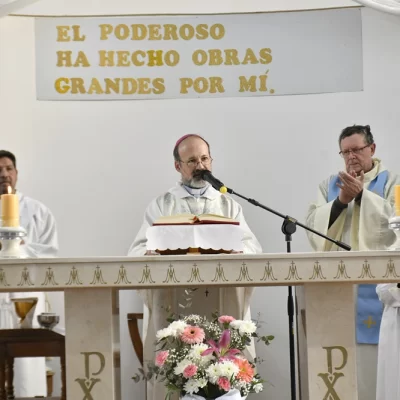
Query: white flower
<point x="246" y="327"/>
<point x="163" y="333"/>
<point x="235" y="324"/>
<point x="178" y="370"/>
<point x="177" y="327"/>
<point x="240" y="385"/>
<point x="195" y="355"/>
<point x="213" y="372"/>
<point x="228" y="368"/>
<point x="225" y="368"/>
<point x="258" y="387"/>
<point x="204" y="360"/>
<point x="193" y="385"/>
<point x="193" y="318"/>
<point x="196" y="350"/>
<point x="202" y="382"/>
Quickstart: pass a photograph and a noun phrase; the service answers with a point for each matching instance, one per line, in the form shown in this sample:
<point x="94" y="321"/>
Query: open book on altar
<point x="190" y="219"/>
<point x="183" y="234"/>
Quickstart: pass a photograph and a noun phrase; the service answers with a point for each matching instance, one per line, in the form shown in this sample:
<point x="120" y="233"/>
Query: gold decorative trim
<point x="146" y="275"/>
<point x="3" y="278"/>
<point x="219" y="274"/>
<point x="98" y="277"/>
<point x="292" y="273"/>
<point x="171" y="277"/>
<point x="195" y="275"/>
<point x="122" y="276"/>
<point x="49" y="279"/>
<point x="366" y="270"/>
<point x="244" y="274"/>
<point x="74" y="277"/>
<point x="391" y="270"/>
<point x="268" y="273"/>
<point x="317" y="272"/>
<point x="25" y="278"/>
<point x="341" y="271"/>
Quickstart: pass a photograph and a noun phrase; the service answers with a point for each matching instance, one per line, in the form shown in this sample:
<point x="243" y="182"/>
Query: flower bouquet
<point x="203" y="359"/>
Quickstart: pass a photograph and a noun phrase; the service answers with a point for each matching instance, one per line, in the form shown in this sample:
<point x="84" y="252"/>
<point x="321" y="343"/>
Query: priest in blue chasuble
<point x="354" y="206"/>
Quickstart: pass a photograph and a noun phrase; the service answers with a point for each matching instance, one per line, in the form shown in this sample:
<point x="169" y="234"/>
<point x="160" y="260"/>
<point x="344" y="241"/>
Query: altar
<point x="88" y="284"/>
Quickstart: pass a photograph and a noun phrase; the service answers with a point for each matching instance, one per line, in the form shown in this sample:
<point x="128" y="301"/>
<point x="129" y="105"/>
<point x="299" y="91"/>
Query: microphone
<point x="206" y="175"/>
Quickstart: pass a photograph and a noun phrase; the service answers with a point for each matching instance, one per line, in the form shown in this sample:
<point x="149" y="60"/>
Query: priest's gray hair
<point x="8" y="154"/>
<point x="364" y="130"/>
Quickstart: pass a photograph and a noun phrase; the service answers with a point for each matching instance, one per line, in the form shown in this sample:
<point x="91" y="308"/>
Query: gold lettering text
<point x="62" y="33"/>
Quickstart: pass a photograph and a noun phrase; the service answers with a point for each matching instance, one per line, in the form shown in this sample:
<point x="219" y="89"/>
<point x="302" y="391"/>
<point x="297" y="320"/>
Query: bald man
<point x="192" y="195"/>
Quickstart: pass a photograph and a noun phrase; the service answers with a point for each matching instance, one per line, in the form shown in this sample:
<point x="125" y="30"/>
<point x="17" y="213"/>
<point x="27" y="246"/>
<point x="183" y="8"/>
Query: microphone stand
<point x="288" y="228"/>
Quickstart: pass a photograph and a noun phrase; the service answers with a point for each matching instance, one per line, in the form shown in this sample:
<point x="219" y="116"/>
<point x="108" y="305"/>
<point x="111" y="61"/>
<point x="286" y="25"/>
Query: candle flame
<point x="9" y="190"/>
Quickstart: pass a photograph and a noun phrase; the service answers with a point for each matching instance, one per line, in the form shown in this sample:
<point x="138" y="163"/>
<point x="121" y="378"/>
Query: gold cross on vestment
<point x="369" y="322"/>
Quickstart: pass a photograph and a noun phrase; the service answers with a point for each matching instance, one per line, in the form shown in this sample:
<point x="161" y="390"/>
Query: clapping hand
<point x="350" y="186"/>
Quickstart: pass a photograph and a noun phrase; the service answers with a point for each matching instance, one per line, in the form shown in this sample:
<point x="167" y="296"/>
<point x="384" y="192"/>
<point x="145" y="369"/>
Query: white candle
<point x="10" y="209"/>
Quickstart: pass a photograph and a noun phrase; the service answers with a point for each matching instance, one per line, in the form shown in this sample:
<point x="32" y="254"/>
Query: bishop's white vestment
<point x="227" y="301"/>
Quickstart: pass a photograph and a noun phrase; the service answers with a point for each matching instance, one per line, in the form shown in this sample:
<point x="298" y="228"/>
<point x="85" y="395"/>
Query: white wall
<point x="98" y="164"/>
<point x="123" y="7"/>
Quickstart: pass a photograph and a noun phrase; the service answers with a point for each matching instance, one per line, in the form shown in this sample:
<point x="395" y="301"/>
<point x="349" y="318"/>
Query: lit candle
<point x="397" y="200"/>
<point x="10" y="209"/>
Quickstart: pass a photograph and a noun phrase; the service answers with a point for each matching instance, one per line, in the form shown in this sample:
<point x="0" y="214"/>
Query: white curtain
<point x="389" y="6"/>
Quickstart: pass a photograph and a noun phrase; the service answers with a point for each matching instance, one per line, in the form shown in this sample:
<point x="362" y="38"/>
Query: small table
<point x="28" y="343"/>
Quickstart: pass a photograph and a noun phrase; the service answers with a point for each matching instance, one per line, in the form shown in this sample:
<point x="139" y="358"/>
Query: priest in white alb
<point x="40" y="241"/>
<point x="354" y="207"/>
<point x="388" y="385"/>
<point x="192" y="195"/>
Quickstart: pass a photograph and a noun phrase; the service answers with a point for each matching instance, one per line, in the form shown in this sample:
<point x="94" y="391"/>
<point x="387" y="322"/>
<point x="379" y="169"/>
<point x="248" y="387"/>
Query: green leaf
<point x="172" y="387"/>
<point x="164" y="346"/>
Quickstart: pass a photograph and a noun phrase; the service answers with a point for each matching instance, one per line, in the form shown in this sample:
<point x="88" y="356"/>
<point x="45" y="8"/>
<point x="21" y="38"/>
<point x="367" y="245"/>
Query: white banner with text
<point x="191" y="56"/>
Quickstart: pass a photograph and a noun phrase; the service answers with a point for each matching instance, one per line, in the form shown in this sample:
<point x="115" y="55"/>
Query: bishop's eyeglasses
<point x="205" y="160"/>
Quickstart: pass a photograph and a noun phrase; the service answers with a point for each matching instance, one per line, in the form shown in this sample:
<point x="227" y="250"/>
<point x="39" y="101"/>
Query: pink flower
<point x="161" y="358"/>
<point x="221" y="349"/>
<point x="224" y="384"/>
<point x="192" y="335"/>
<point x="190" y="371"/>
<point x="225" y="319"/>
